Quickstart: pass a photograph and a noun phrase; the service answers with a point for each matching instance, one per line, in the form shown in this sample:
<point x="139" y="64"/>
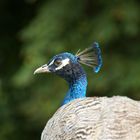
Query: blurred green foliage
<point x="33" y="31"/>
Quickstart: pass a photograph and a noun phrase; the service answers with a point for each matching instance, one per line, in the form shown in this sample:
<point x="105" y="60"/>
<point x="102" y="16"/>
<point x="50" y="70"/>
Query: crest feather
<point x="91" y="57"/>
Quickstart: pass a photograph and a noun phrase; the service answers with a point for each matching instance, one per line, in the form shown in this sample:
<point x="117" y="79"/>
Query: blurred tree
<point x="38" y="30"/>
<point x="14" y="15"/>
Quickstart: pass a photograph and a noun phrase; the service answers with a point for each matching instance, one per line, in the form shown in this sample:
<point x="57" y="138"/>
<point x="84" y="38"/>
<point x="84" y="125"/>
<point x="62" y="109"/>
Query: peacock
<point x="88" y="118"/>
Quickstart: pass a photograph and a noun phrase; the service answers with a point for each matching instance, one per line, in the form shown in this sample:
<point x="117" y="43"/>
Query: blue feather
<point x="91" y="57"/>
<point x="99" y="57"/>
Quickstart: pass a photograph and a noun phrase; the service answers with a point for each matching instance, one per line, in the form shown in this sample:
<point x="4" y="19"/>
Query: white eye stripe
<point x="63" y="63"/>
<point x="51" y="63"/>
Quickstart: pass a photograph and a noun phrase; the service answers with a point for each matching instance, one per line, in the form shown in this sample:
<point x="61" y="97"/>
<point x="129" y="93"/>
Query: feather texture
<point x="116" y="118"/>
<point x="91" y="57"/>
<point x="81" y="118"/>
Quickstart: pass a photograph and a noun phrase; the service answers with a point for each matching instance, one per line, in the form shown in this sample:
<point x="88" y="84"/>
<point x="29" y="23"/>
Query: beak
<point x="42" y="69"/>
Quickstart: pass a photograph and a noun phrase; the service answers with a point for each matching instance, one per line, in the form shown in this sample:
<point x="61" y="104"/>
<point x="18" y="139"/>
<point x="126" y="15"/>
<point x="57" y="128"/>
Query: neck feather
<point x="77" y="87"/>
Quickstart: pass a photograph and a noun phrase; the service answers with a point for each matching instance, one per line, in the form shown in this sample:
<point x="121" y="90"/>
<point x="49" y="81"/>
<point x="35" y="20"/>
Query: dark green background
<point x="32" y="31"/>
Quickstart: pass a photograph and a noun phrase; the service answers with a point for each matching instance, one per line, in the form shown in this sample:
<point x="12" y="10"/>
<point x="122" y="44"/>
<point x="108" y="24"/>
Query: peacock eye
<point x="57" y="62"/>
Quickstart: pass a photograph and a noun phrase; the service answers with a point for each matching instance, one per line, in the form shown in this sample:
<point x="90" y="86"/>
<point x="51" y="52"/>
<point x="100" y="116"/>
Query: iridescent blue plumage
<point x="99" y="57"/>
<point x="68" y="66"/>
<point x="77" y="89"/>
<point x="75" y="76"/>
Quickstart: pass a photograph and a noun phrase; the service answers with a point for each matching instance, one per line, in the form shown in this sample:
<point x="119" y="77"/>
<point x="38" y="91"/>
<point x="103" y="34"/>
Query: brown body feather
<point x="116" y="118"/>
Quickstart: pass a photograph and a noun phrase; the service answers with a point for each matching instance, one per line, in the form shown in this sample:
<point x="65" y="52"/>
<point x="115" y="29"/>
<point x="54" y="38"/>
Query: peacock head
<point x="69" y="66"/>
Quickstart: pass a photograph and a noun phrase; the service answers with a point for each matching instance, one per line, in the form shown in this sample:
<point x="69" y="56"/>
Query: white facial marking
<point x="64" y="63"/>
<point x="51" y="63"/>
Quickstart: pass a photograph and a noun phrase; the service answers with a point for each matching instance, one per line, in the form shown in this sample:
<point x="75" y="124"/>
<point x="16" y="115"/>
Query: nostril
<point x="44" y="66"/>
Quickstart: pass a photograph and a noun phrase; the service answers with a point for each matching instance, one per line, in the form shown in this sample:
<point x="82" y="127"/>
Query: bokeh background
<point x="32" y="31"/>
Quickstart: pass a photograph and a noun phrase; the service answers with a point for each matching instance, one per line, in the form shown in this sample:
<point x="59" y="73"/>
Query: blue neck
<point x="77" y="89"/>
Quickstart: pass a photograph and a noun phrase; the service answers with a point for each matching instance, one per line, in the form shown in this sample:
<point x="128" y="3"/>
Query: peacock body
<point x="116" y="118"/>
<point x="88" y="118"/>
